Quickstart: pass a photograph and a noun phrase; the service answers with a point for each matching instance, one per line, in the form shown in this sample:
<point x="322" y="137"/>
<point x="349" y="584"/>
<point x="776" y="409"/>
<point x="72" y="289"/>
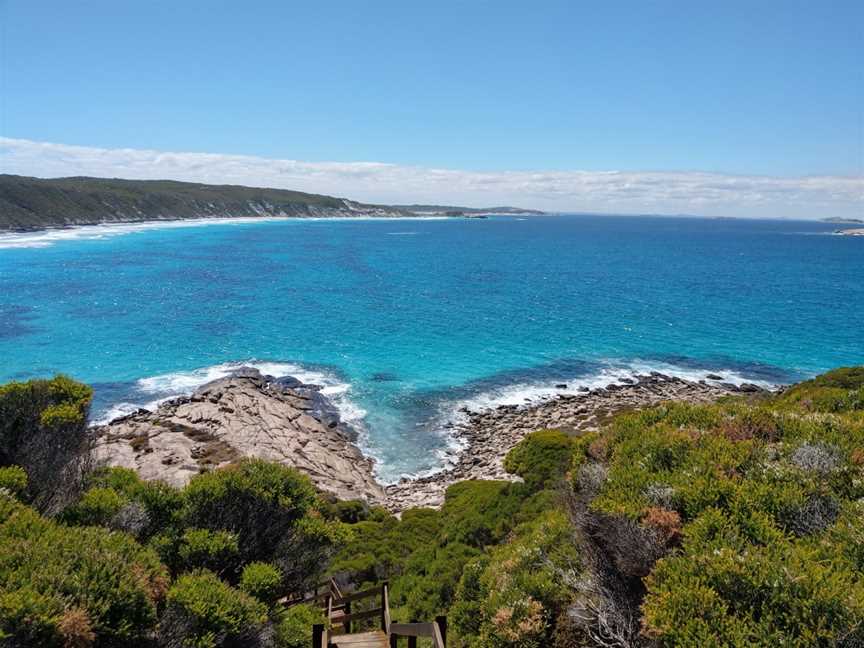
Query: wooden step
<point x="376" y="639"/>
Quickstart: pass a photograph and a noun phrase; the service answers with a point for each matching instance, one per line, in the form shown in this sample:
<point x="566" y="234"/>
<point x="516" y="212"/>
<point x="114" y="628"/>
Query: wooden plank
<point x="375" y="639"/>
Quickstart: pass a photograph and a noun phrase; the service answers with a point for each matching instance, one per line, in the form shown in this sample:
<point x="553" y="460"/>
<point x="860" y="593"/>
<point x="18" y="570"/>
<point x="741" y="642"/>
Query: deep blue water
<point x="406" y="320"/>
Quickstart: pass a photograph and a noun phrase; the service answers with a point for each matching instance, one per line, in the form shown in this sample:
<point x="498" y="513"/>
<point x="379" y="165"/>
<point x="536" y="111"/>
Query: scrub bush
<point x="541" y="458"/>
<point x="513" y="597"/>
<point x="204" y="612"/>
<point x="294" y="626"/>
<point x="262" y="581"/>
<point x="43" y="429"/>
<point x="13" y="480"/>
<point x="60" y="585"/>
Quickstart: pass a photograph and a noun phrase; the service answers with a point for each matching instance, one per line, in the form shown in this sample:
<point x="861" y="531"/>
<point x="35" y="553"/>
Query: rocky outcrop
<point x="855" y="231"/>
<point x="490" y="434"/>
<point x="244" y="415"/>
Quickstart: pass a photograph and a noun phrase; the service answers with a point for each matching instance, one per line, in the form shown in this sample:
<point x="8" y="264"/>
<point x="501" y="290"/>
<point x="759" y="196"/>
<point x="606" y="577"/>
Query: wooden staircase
<point x="342" y="620"/>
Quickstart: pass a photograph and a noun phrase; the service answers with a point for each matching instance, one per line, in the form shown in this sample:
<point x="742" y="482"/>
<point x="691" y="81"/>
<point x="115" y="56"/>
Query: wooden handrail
<point x="356" y="596"/>
<point x="437" y="630"/>
<point x="358" y="616"/>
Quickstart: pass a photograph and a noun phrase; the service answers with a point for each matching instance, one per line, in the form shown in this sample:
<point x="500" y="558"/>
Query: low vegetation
<point x="739" y="523"/>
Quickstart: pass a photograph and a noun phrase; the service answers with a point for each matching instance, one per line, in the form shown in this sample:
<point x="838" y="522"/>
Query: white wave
<point x="182" y="383"/>
<point x="48" y="237"/>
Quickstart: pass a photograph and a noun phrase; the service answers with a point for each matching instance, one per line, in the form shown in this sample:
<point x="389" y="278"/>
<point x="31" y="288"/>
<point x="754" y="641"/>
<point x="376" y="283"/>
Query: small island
<point x="855" y="231"/>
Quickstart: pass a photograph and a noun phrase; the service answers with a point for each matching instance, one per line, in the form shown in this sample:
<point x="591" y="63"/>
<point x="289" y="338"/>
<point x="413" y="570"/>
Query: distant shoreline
<point x="31" y="204"/>
<point x="855" y="231"/>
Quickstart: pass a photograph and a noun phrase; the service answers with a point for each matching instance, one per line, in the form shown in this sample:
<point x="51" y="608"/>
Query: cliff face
<point x="33" y="203"/>
<point x="245" y="415"/>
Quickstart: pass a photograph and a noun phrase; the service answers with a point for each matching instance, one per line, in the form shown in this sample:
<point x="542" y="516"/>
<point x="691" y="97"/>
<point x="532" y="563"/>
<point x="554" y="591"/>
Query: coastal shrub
<point x="541" y="458"/>
<point x="205" y="612"/>
<point x="272" y="510"/>
<point x="13" y="480"/>
<point x="350" y="511"/>
<point x="783" y="593"/>
<point x="60" y="585"/>
<point x="162" y="503"/>
<point x="478" y="513"/>
<point x="214" y="550"/>
<point x="118" y="499"/>
<point x="512" y="598"/>
<point x="840" y="390"/>
<point x="378" y="550"/>
<point x="262" y="581"/>
<point x="753" y="509"/>
<point x="43" y="429"/>
<point x="294" y="626"/>
<point x="95" y="508"/>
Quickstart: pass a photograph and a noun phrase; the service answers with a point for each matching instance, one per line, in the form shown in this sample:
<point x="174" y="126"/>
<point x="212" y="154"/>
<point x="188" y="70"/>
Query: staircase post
<point x="412" y="641"/>
<point x="318" y="636"/>
<point x="442" y="626"/>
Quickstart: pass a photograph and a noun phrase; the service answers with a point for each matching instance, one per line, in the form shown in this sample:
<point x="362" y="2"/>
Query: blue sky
<point x="746" y="88"/>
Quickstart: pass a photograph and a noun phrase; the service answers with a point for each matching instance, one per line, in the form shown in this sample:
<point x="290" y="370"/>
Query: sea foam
<point x="148" y="393"/>
<point x="454" y="413"/>
<point x="51" y="236"/>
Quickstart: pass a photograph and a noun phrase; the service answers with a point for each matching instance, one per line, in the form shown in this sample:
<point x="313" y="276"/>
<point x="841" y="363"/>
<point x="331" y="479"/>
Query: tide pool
<point x="405" y="321"/>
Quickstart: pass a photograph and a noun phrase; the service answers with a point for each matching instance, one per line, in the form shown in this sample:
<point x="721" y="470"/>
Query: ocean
<point x="404" y="322"/>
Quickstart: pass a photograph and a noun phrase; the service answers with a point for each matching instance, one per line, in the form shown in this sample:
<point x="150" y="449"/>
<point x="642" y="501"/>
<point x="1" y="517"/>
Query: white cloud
<point x="710" y="194"/>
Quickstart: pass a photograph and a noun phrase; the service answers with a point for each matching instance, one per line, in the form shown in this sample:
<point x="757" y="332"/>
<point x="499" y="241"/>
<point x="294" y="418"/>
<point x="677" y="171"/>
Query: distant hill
<point x="453" y="210"/>
<point x="34" y="203"/>
<point x="836" y="219"/>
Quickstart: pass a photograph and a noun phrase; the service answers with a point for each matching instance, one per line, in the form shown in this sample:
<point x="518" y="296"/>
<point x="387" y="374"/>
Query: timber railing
<point x="342" y="620"/>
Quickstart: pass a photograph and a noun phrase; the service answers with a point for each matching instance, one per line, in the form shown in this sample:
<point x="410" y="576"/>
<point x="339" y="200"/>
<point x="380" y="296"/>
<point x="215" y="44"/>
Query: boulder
<point x="243" y="415"/>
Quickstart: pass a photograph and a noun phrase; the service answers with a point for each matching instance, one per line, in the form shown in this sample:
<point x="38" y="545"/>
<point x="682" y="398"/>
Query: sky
<point x="735" y="108"/>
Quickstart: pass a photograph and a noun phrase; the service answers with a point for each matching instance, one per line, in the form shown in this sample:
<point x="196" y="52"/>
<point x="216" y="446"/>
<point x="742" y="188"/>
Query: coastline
<point x="45" y="236"/>
<point x="489" y="434"/>
<point x="854" y="231"/>
<point x="249" y="414"/>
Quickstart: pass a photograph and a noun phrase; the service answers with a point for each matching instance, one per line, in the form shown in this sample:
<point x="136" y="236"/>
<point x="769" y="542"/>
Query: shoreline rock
<point x="855" y="231"/>
<point x="243" y="415"/>
<point x="490" y="434"/>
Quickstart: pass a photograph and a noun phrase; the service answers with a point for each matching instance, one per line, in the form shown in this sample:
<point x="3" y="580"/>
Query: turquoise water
<point x="404" y="321"/>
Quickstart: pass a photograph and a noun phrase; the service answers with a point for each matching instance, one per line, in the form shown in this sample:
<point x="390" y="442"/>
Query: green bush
<point x="43" y="429"/>
<point x="13" y="479"/>
<point x="262" y="581"/>
<point x="97" y="507"/>
<point x="273" y="511"/>
<point x="59" y="582"/>
<point x="206" y="612"/>
<point x="214" y="550"/>
<point x="783" y="593"/>
<point x="766" y="495"/>
<point x="541" y="458"/>
<point x="294" y="626"/>
<point x="512" y="599"/>
<point x="162" y="503"/>
<point x="478" y="513"/>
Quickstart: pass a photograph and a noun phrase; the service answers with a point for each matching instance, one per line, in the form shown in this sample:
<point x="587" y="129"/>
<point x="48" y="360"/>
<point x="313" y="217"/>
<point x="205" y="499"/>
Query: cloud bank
<point x="699" y="193"/>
